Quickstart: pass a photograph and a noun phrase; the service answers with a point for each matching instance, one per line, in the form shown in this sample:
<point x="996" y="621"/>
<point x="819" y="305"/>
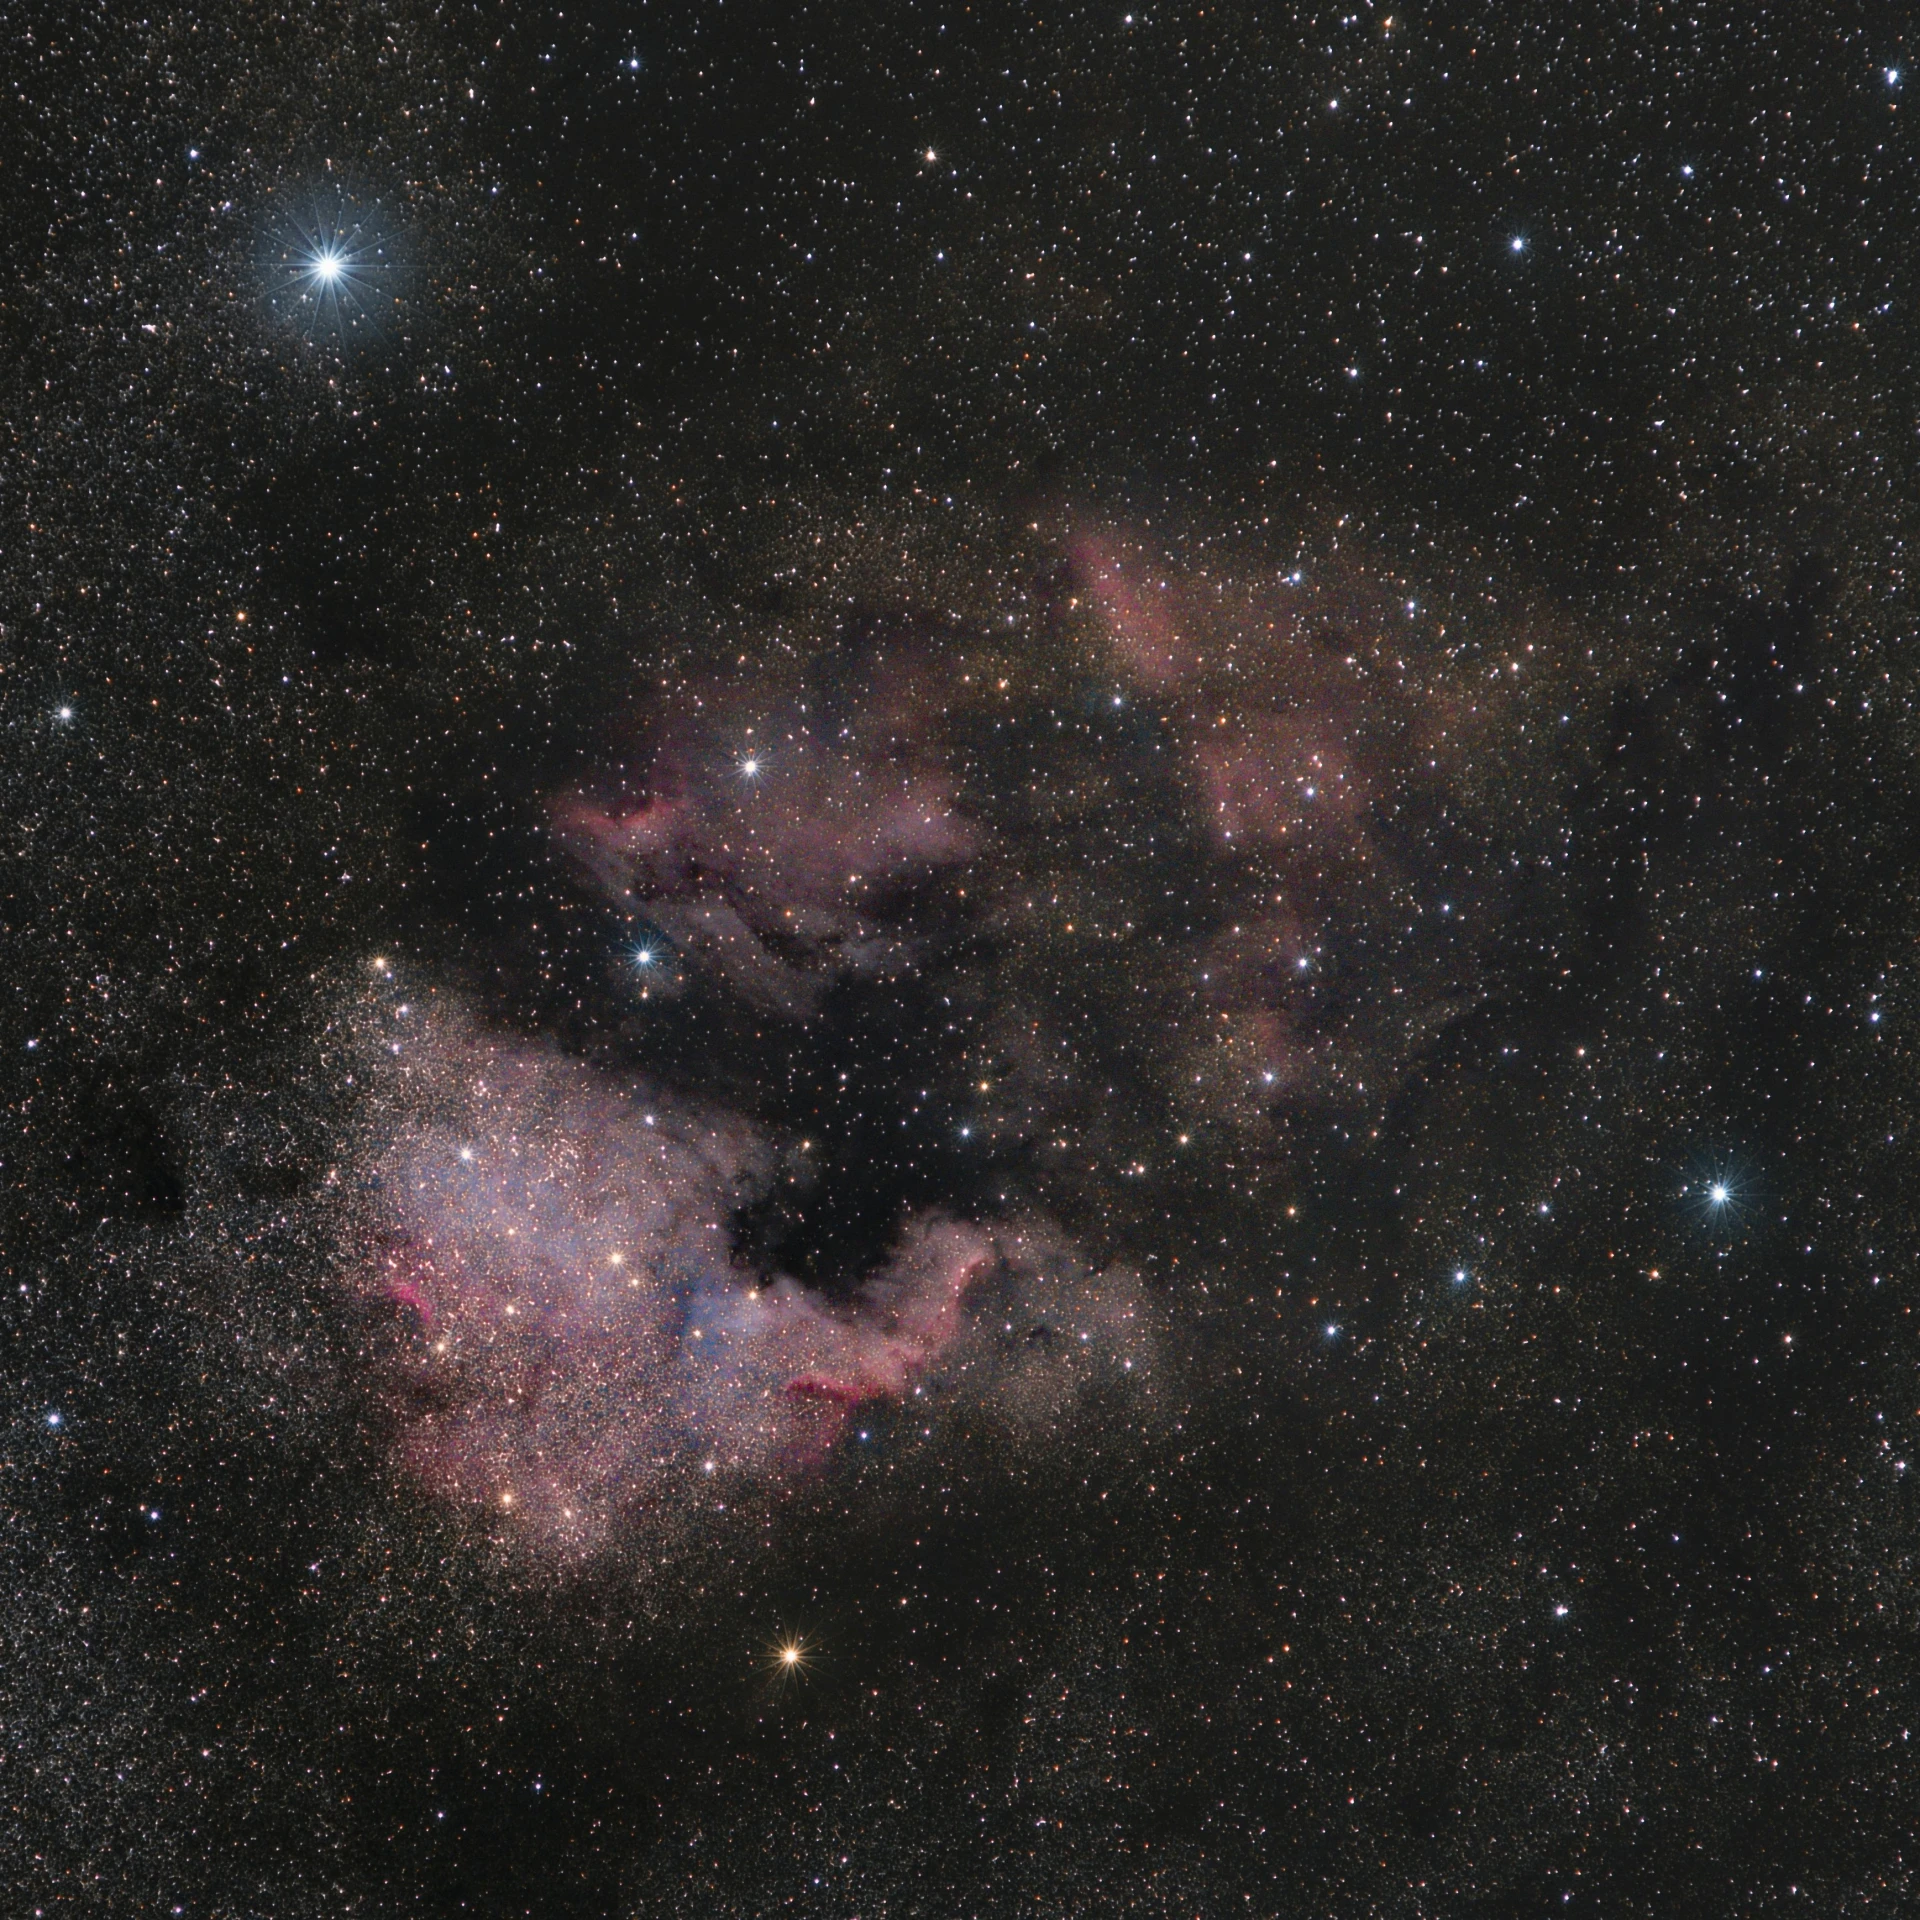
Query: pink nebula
<point x="765" y="847"/>
<point x="588" y="1346"/>
<point x="1313" y="723"/>
<point x="1151" y="639"/>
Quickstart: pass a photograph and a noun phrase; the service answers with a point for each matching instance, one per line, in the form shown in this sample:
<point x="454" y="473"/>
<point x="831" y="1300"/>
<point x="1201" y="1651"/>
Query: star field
<point x="958" y="961"/>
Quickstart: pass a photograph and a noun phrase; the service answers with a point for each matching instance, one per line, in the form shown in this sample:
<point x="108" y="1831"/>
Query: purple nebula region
<point x="766" y="845"/>
<point x="586" y="1337"/>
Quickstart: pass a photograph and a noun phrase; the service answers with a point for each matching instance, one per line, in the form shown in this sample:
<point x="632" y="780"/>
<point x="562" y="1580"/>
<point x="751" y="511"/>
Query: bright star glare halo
<point x="1716" y="1195"/>
<point x="330" y="268"/>
<point x="787" y="1658"/>
<point x="338" y="274"/>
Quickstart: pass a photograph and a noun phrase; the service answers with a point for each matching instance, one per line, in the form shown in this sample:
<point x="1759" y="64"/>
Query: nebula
<point x="766" y="838"/>
<point x="590" y="1340"/>
<point x="1329" y="737"/>
<point x="585" y="1349"/>
<point x="587" y="1342"/>
<point x="1141" y="608"/>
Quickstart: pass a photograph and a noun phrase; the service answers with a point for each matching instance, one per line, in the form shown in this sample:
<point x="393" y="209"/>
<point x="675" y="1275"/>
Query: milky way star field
<point x="959" y="961"/>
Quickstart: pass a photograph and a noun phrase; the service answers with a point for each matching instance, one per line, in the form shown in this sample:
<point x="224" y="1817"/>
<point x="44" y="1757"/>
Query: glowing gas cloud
<point x="768" y="838"/>
<point x="588" y="1342"/>
<point x="586" y="1347"/>
<point x="588" y="1338"/>
<point x="1342" y="747"/>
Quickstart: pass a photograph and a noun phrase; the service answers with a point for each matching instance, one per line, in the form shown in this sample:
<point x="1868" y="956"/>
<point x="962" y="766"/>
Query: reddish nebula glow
<point x="766" y="846"/>
<point x="1329" y="737"/>
<point x="1142" y="609"/>
<point x="589" y="1348"/>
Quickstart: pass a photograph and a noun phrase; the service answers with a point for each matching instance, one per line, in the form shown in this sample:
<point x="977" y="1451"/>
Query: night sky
<point x="958" y="962"/>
